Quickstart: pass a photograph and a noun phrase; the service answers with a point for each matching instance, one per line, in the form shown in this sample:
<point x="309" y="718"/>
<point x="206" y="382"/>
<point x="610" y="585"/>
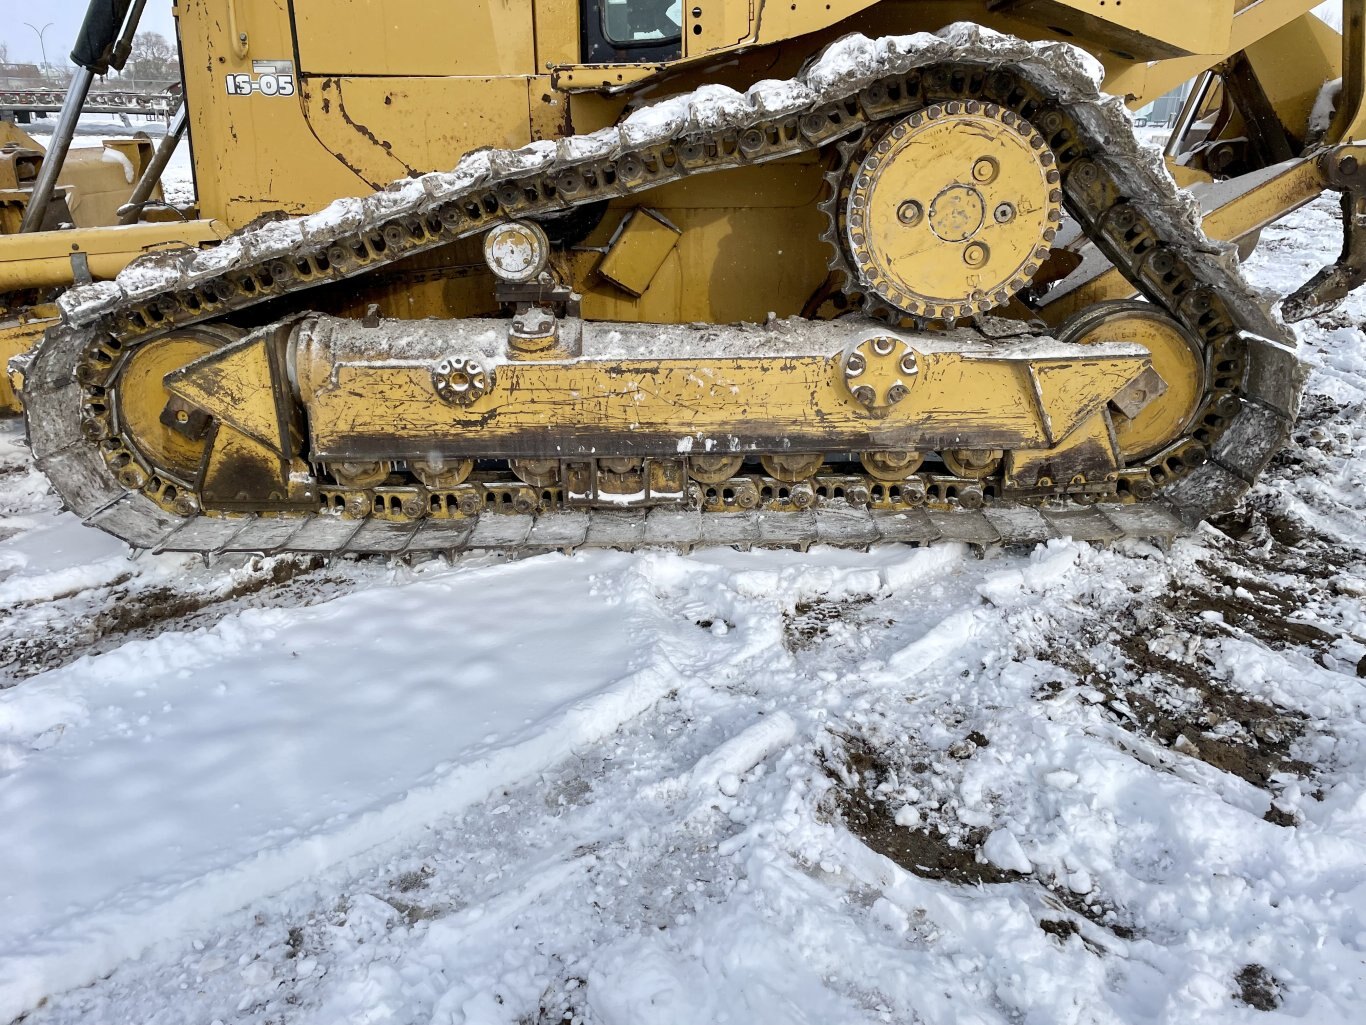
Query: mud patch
<point x="562" y="1003"/>
<point x="942" y="849"/>
<point x="123" y="610"/>
<point x="1257" y="988"/>
<point x="1061" y="929"/>
<point x="1183" y="709"/>
<point x="1153" y="667"/>
<point x="808" y="622"/>
<point x="930" y="851"/>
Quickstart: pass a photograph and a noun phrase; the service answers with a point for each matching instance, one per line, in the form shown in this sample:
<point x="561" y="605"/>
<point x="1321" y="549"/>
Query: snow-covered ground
<point x="1072" y="785"/>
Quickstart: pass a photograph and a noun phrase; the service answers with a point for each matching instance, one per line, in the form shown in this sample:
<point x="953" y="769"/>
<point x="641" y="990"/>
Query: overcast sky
<point x="66" y="16"/>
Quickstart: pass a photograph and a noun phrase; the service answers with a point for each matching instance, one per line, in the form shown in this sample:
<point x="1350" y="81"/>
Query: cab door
<point x="394" y="88"/>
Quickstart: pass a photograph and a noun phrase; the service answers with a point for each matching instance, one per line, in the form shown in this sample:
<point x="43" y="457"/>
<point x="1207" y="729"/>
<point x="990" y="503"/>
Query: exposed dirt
<point x="940" y="848"/>
<point x="1258" y="988"/>
<point x="931" y="850"/>
<point x="123" y="610"/>
<point x="809" y="621"/>
<point x="1154" y="668"/>
<point x="562" y="1003"/>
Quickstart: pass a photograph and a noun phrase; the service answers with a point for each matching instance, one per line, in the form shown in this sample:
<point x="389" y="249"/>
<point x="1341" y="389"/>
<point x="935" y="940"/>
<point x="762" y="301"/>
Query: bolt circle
<point x="461" y="382"/>
<point x="996" y="183"/>
<point x="985" y="170"/>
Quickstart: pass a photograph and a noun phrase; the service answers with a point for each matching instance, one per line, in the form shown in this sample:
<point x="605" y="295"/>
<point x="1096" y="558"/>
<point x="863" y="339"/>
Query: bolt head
<point x="1004" y="213"/>
<point x="910" y="213"/>
<point x="132" y="477"/>
<point x="976" y="255"/>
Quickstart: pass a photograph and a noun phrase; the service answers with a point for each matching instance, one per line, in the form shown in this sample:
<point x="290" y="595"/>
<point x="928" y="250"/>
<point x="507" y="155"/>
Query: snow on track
<point x="1075" y="785"/>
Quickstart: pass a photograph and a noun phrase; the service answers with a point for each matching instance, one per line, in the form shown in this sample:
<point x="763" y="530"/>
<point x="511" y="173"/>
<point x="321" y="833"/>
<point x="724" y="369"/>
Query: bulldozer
<point x="536" y="275"/>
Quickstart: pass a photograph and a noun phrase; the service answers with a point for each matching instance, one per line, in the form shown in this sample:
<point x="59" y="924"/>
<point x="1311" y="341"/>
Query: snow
<point x="113" y="156"/>
<point x="329" y="749"/>
<point x="622" y="789"/>
<point x="1004" y="851"/>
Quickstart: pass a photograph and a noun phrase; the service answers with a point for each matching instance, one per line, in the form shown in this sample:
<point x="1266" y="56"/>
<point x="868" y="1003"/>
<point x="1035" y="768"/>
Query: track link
<point x="1120" y="194"/>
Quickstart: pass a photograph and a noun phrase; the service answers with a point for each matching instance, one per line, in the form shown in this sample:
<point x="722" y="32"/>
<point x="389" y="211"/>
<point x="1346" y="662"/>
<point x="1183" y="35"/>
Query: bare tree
<point x="153" y="59"/>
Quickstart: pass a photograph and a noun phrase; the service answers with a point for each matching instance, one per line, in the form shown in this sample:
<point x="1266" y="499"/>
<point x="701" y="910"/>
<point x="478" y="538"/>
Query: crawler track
<point x="1117" y="192"/>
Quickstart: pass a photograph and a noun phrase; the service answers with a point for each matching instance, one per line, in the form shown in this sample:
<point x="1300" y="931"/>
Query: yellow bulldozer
<point x="544" y="274"/>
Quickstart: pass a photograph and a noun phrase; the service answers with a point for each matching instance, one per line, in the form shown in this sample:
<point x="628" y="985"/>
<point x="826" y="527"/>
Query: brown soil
<point x="927" y="851"/>
<point x="938" y="850"/>
<point x="125" y="610"/>
<point x="1183" y="703"/>
<point x="809" y="622"/>
<point x="1258" y="988"/>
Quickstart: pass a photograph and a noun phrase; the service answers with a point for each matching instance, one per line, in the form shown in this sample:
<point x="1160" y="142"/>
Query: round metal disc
<point x="438" y="474"/>
<point x="952" y="210"/>
<point x="516" y="251"/>
<point x="141" y="396"/>
<point x="1176" y="357"/>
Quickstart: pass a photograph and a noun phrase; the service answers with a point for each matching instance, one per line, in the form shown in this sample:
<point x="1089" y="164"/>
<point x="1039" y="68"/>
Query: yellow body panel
<point x="416" y="37"/>
<point x="645" y="241"/>
<point x="44" y="259"/>
<point x="1149" y="29"/>
<point x="386" y="90"/>
<point x="18" y="335"/>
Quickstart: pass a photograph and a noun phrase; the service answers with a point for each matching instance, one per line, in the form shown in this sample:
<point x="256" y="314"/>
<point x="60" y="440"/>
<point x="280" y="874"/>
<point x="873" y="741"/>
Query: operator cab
<point x="631" y="31"/>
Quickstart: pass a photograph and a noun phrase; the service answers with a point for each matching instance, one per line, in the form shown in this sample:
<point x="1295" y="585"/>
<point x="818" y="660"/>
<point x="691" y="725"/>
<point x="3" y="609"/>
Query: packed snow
<point x="1074" y="784"/>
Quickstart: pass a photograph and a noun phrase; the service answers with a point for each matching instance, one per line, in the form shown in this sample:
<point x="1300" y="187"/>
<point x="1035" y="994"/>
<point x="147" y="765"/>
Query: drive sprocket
<point x="944" y="214"/>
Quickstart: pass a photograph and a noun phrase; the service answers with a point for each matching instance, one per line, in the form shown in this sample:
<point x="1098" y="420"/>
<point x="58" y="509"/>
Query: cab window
<point x="632" y="31"/>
